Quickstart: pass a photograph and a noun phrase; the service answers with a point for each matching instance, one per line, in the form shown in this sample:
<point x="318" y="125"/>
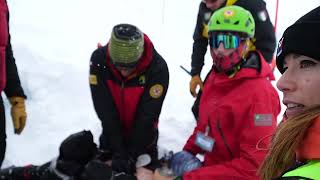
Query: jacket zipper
<point x="122" y="96"/>
<point x="224" y="139"/>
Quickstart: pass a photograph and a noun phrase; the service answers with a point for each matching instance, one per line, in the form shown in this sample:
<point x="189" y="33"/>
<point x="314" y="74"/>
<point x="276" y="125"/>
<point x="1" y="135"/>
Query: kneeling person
<point x="128" y="81"/>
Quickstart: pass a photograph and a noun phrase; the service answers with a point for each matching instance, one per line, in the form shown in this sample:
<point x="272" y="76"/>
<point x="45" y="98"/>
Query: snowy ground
<point x="53" y="41"/>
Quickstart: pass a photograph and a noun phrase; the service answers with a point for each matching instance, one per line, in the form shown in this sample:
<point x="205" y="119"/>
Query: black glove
<point x="96" y="170"/>
<point x="124" y="164"/>
<point x="104" y="155"/>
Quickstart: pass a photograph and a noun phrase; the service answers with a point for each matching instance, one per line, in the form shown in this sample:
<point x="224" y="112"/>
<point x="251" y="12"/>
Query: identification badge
<point x="204" y="142"/>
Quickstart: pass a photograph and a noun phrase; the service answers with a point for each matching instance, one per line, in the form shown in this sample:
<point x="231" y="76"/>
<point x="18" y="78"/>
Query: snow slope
<point x="53" y="41"/>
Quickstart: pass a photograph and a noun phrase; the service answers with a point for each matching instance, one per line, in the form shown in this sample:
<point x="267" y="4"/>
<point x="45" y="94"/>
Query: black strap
<point x="252" y="61"/>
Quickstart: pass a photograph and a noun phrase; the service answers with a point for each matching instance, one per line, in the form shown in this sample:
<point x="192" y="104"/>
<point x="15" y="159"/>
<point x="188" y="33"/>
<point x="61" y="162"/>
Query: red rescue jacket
<point x="129" y="107"/>
<point x="241" y="113"/>
<point x="3" y="42"/>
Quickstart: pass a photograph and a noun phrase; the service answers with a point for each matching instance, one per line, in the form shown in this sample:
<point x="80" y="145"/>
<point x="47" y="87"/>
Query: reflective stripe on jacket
<point x="310" y="170"/>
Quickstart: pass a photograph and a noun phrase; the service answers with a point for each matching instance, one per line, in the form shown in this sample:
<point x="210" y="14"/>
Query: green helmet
<point x="232" y="18"/>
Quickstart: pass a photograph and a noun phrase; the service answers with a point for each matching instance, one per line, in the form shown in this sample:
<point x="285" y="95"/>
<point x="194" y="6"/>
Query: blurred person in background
<point x="9" y="82"/>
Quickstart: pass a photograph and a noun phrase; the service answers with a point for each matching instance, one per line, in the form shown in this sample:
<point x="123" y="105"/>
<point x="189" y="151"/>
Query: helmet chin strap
<point x="245" y="49"/>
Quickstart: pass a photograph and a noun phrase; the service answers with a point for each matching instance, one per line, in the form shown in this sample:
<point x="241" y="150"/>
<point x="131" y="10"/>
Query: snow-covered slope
<point x="53" y="41"/>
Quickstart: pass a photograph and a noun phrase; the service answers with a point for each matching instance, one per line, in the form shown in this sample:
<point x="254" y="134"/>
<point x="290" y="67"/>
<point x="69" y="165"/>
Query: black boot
<point x="29" y="173"/>
<point x="20" y="173"/>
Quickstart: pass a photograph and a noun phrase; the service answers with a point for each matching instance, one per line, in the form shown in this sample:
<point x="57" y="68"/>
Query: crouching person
<point x="128" y="81"/>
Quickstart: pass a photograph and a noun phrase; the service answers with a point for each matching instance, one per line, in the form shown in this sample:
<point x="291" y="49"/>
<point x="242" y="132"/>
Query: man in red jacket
<point x="9" y="82"/>
<point x="238" y="108"/>
<point x="128" y="81"/>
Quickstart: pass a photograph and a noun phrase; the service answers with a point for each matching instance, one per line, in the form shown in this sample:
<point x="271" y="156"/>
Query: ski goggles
<point x="229" y="41"/>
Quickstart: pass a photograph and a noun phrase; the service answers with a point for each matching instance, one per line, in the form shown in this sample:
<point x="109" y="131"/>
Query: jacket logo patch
<point x="280" y="46"/>
<point x="142" y="80"/>
<point x="93" y="79"/>
<point x="228" y="13"/>
<point x="207" y="16"/>
<point x="263" y="119"/>
<point x="156" y="91"/>
<point x="263" y="15"/>
<point x="205" y="31"/>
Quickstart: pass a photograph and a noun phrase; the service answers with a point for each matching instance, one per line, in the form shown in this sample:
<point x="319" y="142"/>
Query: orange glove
<point x="18" y="113"/>
<point x="194" y="83"/>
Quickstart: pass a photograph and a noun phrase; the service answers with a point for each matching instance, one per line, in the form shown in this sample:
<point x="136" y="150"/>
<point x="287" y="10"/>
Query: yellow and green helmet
<point x="234" y="19"/>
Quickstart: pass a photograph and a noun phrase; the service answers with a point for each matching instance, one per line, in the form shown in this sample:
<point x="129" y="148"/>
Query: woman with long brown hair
<point x="295" y="148"/>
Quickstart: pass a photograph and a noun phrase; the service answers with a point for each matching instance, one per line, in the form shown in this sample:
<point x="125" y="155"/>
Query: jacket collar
<point x="309" y="149"/>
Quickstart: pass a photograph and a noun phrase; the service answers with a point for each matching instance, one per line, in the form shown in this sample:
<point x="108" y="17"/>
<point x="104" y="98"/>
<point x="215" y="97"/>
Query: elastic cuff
<point x="195" y="71"/>
<point x="16" y="99"/>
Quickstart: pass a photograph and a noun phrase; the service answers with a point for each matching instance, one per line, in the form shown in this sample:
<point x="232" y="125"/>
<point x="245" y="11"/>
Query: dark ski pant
<point x="2" y="132"/>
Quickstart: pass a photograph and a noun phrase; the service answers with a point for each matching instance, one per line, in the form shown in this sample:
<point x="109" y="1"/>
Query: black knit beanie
<point x="303" y="38"/>
<point x="78" y="147"/>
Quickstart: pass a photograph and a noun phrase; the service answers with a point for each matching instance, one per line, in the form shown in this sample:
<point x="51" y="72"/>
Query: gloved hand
<point x="18" y="113"/>
<point x="96" y="170"/>
<point x="194" y="83"/>
<point x="182" y="162"/>
<point x="124" y="164"/>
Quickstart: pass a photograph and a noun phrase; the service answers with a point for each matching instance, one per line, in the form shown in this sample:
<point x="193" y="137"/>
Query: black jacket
<point x="129" y="108"/>
<point x="264" y="33"/>
<point x="13" y="86"/>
